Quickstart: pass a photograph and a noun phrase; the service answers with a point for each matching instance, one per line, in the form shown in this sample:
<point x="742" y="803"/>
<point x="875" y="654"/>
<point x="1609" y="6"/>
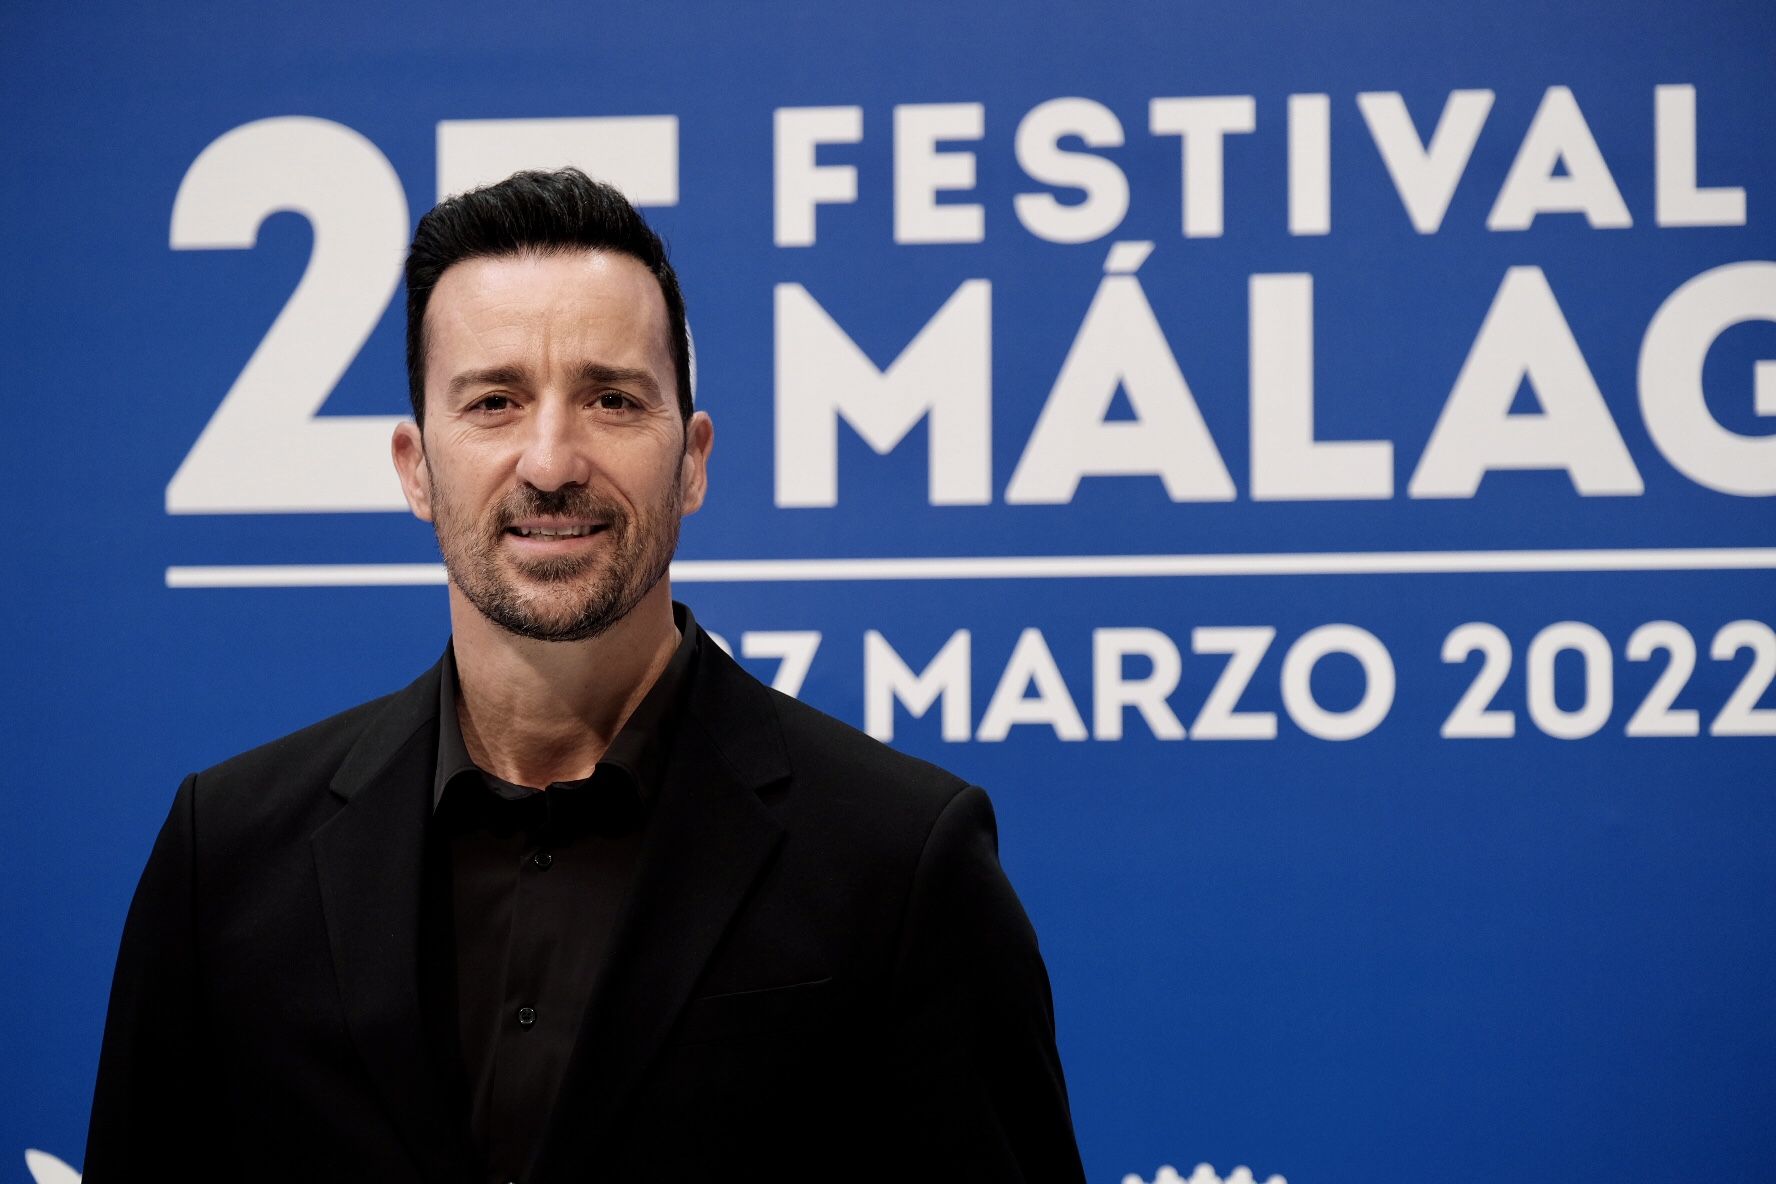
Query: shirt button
<point x="527" y="1016"/>
<point x="543" y="860"/>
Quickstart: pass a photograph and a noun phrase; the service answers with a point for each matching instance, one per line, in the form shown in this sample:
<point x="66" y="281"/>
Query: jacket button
<point x="527" y="1016"/>
<point x="543" y="860"/>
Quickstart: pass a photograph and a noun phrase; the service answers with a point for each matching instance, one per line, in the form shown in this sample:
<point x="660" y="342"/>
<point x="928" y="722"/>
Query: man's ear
<point x="408" y="449"/>
<point x="693" y="469"/>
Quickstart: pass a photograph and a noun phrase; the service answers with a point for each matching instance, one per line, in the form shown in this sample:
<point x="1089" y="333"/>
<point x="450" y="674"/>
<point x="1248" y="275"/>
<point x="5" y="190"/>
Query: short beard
<point x="589" y="593"/>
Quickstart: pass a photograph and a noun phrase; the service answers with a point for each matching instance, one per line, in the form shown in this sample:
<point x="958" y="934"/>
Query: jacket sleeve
<point x="146" y="1118"/>
<point x="974" y="1047"/>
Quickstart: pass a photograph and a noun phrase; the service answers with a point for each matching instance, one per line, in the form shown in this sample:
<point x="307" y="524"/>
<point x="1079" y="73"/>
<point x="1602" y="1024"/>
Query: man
<point x="585" y="901"/>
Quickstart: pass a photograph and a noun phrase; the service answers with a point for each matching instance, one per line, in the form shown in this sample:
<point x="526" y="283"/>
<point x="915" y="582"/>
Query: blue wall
<point x="1381" y="937"/>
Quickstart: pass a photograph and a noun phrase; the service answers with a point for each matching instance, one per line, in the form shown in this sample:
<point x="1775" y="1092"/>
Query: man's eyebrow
<point x="597" y="372"/>
<point x="491" y="376"/>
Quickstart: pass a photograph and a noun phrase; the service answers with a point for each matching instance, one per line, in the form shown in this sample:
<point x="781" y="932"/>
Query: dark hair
<point x="541" y="213"/>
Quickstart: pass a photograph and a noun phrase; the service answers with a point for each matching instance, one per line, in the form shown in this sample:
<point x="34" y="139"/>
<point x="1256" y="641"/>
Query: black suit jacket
<point x="821" y="972"/>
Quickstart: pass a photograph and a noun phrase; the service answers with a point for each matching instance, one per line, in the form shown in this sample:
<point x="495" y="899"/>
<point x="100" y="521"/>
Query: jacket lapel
<point x="370" y="857"/>
<point x="709" y="839"/>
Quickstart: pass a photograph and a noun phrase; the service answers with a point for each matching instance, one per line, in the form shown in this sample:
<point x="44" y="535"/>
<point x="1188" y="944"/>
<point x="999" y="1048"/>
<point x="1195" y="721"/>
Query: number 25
<point x="267" y="448"/>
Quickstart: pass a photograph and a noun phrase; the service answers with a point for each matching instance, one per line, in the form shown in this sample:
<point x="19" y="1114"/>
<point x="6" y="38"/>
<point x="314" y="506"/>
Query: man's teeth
<point x="563" y="532"/>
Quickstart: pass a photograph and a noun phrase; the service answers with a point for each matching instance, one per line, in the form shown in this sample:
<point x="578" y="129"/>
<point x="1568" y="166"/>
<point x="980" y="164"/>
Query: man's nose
<point x="557" y="448"/>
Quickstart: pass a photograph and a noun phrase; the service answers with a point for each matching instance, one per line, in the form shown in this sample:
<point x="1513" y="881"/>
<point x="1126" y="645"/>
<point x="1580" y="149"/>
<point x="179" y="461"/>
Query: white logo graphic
<point x="47" y="1169"/>
<point x="1204" y="1174"/>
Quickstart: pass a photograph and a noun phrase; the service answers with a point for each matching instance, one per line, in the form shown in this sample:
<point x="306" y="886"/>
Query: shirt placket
<point x="526" y="1021"/>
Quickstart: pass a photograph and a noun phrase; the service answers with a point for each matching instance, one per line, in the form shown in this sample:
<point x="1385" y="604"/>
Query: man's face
<point x="554" y="464"/>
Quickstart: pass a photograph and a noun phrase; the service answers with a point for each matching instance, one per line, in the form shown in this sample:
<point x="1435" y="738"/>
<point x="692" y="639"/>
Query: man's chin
<point x="540" y="606"/>
<point x="555" y="632"/>
<point x="550" y="622"/>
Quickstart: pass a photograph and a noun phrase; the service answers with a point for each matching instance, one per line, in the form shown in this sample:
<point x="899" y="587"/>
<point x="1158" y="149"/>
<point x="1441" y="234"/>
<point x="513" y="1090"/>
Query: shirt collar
<point x="639" y="749"/>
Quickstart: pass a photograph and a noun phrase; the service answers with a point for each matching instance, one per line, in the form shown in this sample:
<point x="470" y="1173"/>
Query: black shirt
<point x="526" y="886"/>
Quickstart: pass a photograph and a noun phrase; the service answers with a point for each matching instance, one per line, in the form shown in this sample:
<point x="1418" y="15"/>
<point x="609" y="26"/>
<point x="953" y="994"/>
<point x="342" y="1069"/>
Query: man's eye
<point x="614" y="401"/>
<point x="493" y="403"/>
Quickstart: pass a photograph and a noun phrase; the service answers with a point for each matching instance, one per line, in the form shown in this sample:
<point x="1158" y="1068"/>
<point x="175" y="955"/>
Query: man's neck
<point x="536" y="712"/>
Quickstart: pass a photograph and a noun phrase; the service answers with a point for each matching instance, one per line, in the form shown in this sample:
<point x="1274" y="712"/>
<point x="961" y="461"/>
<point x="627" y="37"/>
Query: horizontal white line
<point x="305" y="575"/>
<point x="1035" y="567"/>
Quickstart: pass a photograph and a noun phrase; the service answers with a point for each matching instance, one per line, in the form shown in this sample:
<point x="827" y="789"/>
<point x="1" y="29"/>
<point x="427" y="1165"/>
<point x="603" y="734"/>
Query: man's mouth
<point x="576" y="530"/>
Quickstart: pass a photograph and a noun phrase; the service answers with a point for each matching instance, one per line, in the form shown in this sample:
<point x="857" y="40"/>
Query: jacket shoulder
<point x="833" y="769"/>
<point x="322" y="744"/>
<point x="280" y="789"/>
<point x="865" y="796"/>
<point x="819" y="744"/>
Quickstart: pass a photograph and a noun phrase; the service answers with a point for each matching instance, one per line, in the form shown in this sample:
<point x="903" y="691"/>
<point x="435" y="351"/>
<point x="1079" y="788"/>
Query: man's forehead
<point x="555" y="301"/>
<point x="541" y="278"/>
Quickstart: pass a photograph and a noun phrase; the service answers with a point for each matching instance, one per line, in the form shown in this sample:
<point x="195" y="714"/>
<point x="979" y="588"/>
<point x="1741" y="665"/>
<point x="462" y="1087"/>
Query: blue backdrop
<point x="1334" y="445"/>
